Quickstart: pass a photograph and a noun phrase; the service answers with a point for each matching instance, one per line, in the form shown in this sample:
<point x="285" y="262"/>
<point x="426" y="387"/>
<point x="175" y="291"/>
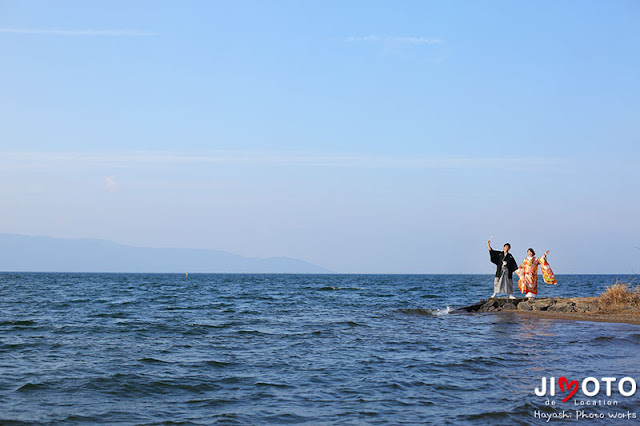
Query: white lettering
<point x="608" y="381"/>
<point x="627" y="415"/>
<point x="591" y="386"/>
<point x="537" y="414"/>
<point x="581" y="414"/>
<point x="543" y="391"/>
<point x="621" y="386"/>
<point x="596" y="387"/>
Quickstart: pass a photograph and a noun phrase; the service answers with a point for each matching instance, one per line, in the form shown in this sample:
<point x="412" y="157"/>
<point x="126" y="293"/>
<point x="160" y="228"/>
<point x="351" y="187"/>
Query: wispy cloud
<point x="24" y="160"/>
<point x="82" y="32"/>
<point x="110" y="184"/>
<point x="395" y="39"/>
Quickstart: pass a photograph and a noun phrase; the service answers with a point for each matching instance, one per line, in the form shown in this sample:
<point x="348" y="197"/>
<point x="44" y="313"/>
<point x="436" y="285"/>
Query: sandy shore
<point x="571" y="308"/>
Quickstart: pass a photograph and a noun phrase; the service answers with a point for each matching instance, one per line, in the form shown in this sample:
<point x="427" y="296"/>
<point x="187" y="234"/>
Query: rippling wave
<point x="313" y="349"/>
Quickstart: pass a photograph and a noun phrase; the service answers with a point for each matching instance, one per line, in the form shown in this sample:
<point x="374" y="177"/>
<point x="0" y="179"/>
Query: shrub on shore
<point x="619" y="295"/>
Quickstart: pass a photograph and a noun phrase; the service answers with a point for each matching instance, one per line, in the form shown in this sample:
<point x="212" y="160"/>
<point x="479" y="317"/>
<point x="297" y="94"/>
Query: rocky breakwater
<point x="576" y="308"/>
<point x="551" y="304"/>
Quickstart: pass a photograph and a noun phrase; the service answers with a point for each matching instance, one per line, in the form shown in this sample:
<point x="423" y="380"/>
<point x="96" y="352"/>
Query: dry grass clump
<point x="620" y="295"/>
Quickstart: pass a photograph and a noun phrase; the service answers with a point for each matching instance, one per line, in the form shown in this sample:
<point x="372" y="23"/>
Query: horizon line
<point x="277" y="273"/>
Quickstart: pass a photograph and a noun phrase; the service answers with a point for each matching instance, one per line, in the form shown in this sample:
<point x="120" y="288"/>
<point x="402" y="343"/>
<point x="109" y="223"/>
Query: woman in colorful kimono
<point x="528" y="273"/>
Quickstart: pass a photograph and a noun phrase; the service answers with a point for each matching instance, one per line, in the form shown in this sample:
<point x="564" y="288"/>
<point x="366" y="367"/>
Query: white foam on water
<point x="440" y="312"/>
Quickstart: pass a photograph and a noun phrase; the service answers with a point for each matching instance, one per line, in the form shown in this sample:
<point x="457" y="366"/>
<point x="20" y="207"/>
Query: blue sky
<point x="360" y="136"/>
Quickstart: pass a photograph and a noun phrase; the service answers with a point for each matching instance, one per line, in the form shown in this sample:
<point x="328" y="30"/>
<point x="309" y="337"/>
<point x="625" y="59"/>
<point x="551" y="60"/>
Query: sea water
<point x="314" y="349"/>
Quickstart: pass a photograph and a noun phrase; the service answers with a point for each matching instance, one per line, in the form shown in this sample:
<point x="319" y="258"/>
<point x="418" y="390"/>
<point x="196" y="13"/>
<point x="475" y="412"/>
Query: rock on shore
<point x="551" y="304"/>
<point x="576" y="308"/>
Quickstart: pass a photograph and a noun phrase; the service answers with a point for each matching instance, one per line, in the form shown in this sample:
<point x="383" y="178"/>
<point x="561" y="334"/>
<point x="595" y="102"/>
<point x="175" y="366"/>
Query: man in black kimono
<point x="506" y="264"/>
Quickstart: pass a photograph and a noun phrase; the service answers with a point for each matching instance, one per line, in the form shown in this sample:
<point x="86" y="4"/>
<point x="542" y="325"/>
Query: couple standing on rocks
<point x="527" y="272"/>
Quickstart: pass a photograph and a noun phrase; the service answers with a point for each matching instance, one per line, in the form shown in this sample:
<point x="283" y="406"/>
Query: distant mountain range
<point x="45" y="254"/>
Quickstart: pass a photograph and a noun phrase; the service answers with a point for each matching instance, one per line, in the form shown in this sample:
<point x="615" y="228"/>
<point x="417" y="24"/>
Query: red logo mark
<point x="570" y="386"/>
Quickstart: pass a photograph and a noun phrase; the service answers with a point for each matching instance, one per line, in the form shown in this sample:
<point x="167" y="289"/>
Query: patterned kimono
<point x="528" y="273"/>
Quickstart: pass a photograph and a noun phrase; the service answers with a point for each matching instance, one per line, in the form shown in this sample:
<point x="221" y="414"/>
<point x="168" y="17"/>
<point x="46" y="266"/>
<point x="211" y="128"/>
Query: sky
<point x="362" y="136"/>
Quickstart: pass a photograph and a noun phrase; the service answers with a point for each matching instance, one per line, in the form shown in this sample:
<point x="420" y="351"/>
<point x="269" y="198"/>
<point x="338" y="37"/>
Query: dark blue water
<point x="315" y="349"/>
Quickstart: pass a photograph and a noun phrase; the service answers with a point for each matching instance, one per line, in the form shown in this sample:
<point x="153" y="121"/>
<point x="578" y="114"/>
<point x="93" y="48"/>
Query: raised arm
<point x="542" y="259"/>
<point x="493" y="255"/>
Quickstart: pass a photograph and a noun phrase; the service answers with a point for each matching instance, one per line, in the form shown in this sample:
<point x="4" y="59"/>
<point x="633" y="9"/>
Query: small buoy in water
<point x="187" y="274"/>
